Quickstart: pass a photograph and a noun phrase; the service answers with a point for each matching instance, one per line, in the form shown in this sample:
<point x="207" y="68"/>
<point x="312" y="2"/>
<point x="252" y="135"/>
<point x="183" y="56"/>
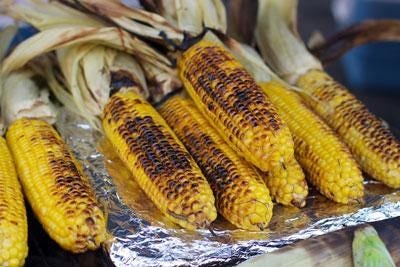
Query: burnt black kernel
<point x="157" y="152"/>
<point x="233" y="91"/>
<point x="350" y="112"/>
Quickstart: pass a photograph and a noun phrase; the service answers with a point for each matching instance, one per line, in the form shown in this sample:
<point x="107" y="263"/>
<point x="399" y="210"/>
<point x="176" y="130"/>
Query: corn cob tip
<point x="259" y="220"/>
<point x="300" y="191"/>
<point x="298" y="201"/>
<point x="287" y="183"/>
<point x="199" y="217"/>
<point x="253" y="215"/>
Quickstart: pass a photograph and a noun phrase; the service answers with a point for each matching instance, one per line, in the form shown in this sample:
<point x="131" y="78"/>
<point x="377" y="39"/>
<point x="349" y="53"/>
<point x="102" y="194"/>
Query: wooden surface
<point x="331" y="250"/>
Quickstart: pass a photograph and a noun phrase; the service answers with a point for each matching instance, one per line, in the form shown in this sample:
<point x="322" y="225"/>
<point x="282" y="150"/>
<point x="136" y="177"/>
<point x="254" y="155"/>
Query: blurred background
<point x="372" y="71"/>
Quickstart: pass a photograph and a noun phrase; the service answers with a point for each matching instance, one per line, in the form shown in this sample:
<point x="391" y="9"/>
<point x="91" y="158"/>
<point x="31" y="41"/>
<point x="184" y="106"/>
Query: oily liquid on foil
<point x="141" y="236"/>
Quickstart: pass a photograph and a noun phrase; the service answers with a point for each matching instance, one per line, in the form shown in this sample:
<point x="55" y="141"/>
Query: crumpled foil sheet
<point x="143" y="237"/>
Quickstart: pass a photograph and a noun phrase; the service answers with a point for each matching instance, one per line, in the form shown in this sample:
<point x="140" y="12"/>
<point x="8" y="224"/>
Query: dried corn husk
<point x="241" y="19"/>
<point x="190" y="16"/>
<point x="44" y="15"/>
<point x="93" y="59"/>
<point x="275" y="38"/>
<point x="193" y="16"/>
<point x="69" y="59"/>
<point x="91" y="71"/>
<point x="47" y="67"/>
<point x="126" y="67"/>
<point x="355" y="35"/>
<point x="163" y="7"/>
<point x="21" y="97"/>
<point x="59" y="37"/>
<point x="135" y="20"/>
<point x="214" y="15"/>
<point x="162" y="81"/>
<point x="6" y="36"/>
<point x="62" y="26"/>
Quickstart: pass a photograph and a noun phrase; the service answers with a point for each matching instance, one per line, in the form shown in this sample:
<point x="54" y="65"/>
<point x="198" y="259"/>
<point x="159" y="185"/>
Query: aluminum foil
<point x="143" y="237"/>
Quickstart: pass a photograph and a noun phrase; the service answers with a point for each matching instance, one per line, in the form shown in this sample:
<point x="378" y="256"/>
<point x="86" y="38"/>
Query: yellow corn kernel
<point x="158" y="160"/>
<point x="369" y="139"/>
<point x="326" y="160"/>
<point x="234" y="105"/>
<point x="287" y="184"/>
<point x="241" y="195"/>
<point x="52" y="180"/>
<point x="13" y="223"/>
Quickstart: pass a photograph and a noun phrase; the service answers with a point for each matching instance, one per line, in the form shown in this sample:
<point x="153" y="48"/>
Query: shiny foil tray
<point x="141" y="236"/>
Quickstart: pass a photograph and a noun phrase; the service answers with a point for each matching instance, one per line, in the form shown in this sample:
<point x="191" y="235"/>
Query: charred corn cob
<point x="160" y="163"/>
<point x="287" y="183"/>
<point x="369" y="139"/>
<point x="328" y="162"/>
<point x="333" y="170"/>
<point x="58" y="192"/>
<point x="234" y="104"/>
<point x="13" y="224"/>
<point x="241" y="195"/>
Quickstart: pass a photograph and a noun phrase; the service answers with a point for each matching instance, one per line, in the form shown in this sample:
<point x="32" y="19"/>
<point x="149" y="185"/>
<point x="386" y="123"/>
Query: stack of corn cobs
<point x="222" y="132"/>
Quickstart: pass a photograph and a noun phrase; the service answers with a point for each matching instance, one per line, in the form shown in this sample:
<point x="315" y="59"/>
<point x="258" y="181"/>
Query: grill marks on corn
<point x="13" y="222"/>
<point x="343" y="186"/>
<point x="349" y="112"/>
<point x="159" y="162"/>
<point x="234" y="104"/>
<point x="323" y="156"/>
<point x="238" y="188"/>
<point x="4" y="203"/>
<point x="375" y="135"/>
<point x="72" y="191"/>
<point x="157" y="153"/>
<point x="370" y="141"/>
<point x="72" y="215"/>
<point x="204" y="151"/>
<point x="217" y="78"/>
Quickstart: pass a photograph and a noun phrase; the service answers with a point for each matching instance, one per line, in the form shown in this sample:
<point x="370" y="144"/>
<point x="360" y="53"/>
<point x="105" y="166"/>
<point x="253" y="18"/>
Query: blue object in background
<point x="23" y="33"/>
<point x="376" y="66"/>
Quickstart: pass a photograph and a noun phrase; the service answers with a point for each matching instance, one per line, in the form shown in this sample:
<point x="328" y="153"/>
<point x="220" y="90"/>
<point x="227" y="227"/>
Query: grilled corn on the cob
<point x="234" y="104"/>
<point x="58" y="192"/>
<point x="369" y="139"/>
<point x="328" y="161"/>
<point x="158" y="160"/>
<point x="13" y="224"/>
<point x="241" y="195"/>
